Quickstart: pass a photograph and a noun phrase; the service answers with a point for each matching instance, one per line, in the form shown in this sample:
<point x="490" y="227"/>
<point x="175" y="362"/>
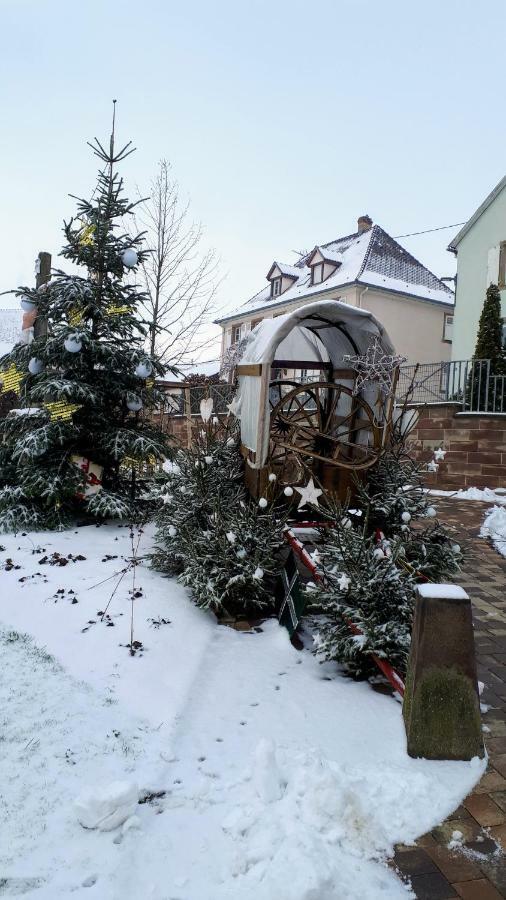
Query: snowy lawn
<point x="277" y="779"/>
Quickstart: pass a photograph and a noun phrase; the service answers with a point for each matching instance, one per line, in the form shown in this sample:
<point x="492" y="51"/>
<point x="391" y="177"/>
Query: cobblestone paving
<point x="477" y="871"/>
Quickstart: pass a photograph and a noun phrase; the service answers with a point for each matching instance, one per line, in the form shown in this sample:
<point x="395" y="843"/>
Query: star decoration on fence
<point x="11" y="378"/>
<point x="308" y="494"/>
<point x="374" y="365"/>
<point x="61" y="409"/>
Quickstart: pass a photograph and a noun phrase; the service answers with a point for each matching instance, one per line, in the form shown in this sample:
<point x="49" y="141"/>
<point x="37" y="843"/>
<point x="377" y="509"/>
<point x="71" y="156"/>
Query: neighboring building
<point x="480" y="247"/>
<point x="368" y="269"/>
<point x="10" y="329"/>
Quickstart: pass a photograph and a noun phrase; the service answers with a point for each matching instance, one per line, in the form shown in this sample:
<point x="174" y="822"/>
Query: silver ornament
<point x="27" y="305"/>
<point x="73" y="343"/>
<point x="144" y="369"/>
<point x="129" y="257"/>
<point x="134" y="403"/>
<point x="35" y="366"/>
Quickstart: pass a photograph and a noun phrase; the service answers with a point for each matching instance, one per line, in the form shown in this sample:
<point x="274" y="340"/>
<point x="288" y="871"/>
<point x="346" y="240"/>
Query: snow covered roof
<point x="205" y="368"/>
<point x="10" y="328"/>
<point x="370" y="258"/>
<point x="476" y="215"/>
<point x="329" y="255"/>
<point x="285" y="269"/>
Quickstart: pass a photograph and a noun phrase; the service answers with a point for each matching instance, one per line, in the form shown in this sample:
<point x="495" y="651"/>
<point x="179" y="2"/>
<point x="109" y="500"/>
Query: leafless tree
<point x="180" y="277"/>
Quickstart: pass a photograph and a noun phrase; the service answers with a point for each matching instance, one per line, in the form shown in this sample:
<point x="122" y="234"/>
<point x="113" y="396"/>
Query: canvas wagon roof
<point x="322" y="331"/>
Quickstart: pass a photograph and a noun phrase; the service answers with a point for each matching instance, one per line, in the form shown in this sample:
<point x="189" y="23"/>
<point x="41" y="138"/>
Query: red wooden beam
<point x="388" y="670"/>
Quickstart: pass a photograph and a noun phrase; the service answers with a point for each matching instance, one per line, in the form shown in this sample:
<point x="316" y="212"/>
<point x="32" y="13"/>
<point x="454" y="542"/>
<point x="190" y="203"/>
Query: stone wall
<point x="475" y="445"/>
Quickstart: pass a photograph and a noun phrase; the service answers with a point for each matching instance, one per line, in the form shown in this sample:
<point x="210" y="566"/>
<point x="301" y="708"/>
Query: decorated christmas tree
<point x="85" y="384"/>
<point x="222" y="544"/>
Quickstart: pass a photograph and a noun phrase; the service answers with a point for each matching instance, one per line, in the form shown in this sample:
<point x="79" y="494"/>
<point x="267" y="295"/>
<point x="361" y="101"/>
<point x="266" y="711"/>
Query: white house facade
<point x="369" y="270"/>
<point x="480" y="247"/>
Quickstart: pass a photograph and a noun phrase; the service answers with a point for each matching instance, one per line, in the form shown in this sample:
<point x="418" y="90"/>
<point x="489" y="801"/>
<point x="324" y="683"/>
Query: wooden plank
<point x="348" y="374"/>
<point x="299" y="364"/>
<point x="251" y="369"/>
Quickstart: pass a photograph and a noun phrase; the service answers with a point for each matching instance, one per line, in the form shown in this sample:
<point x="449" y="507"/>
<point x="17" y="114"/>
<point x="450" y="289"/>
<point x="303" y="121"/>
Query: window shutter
<point x="493" y="265"/>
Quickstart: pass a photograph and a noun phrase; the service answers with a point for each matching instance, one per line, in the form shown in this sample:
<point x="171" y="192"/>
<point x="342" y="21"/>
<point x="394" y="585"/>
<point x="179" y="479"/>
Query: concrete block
<point x="441" y="704"/>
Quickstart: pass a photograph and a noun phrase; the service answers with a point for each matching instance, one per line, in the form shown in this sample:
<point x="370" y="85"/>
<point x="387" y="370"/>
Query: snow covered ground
<point x="264" y="774"/>
<point x="494" y="527"/>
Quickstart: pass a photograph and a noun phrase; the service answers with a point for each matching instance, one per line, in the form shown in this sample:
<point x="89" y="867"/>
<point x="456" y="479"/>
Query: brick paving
<point x="478" y="870"/>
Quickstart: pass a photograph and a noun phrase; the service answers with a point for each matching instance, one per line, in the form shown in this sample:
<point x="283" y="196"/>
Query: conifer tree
<point x="373" y="557"/>
<point x="87" y="384"/>
<point x="489" y="344"/>
<point x="479" y="392"/>
<point x="220" y="542"/>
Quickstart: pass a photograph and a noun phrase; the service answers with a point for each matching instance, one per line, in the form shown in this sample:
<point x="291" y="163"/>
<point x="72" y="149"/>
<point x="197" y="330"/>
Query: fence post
<point x="188" y="414"/>
<point x="42" y="276"/>
<point x="441" y="707"/>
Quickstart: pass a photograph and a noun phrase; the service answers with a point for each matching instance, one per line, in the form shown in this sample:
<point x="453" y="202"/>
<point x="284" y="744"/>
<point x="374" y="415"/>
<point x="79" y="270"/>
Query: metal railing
<point x="469" y="382"/>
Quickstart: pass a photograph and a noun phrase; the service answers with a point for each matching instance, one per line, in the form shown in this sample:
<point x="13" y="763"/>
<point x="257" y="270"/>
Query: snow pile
<point x="494" y="527"/>
<point x="107" y="807"/>
<point x="319" y="840"/>
<point x="473" y="493"/>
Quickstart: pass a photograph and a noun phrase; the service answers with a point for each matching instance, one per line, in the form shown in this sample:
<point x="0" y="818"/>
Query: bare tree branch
<point x="180" y="278"/>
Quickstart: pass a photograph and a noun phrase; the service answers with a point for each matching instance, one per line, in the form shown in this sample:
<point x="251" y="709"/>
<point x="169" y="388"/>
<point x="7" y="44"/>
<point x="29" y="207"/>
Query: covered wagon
<point x="307" y="406"/>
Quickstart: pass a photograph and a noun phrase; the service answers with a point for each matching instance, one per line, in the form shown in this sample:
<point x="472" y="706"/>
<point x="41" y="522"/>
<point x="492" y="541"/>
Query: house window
<point x="501" y="278"/>
<point x="448" y="328"/>
<point x="236" y="334"/>
<point x="317" y="273"/>
<point x="275" y="287"/>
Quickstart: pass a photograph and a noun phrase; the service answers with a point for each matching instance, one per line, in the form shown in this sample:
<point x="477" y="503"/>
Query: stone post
<point x="441" y="704"/>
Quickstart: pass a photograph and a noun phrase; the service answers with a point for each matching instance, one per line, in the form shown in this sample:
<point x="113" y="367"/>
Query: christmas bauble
<point x="27" y="304"/>
<point x="134" y="403"/>
<point x="144" y="369"/>
<point x="73" y="343"/>
<point x="35" y="366"/>
<point x="129" y="257"/>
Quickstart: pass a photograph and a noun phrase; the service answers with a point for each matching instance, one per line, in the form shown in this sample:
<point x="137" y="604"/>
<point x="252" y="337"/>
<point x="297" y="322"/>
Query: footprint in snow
<point x="254" y="704"/>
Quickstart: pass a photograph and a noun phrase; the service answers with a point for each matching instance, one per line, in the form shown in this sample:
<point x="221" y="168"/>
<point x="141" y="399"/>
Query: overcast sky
<point x="284" y="121"/>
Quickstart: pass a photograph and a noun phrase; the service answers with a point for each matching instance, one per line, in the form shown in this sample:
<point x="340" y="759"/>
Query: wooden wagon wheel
<point x="309" y="424"/>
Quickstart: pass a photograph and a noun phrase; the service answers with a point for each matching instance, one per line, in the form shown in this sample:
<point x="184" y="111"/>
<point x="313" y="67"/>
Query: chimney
<point x="364" y="223"/>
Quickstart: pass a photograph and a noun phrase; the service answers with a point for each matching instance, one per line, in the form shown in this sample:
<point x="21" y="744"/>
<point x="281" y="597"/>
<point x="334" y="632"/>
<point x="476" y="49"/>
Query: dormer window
<point x="275" y="287"/>
<point x="317" y="273"/>
<point x="282" y="278"/>
<point x="323" y="263"/>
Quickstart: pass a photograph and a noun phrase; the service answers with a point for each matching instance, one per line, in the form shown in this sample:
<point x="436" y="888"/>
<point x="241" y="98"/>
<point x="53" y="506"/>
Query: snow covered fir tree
<point x="373" y="557"/>
<point x="220" y="542"/>
<point x="85" y="383"/>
